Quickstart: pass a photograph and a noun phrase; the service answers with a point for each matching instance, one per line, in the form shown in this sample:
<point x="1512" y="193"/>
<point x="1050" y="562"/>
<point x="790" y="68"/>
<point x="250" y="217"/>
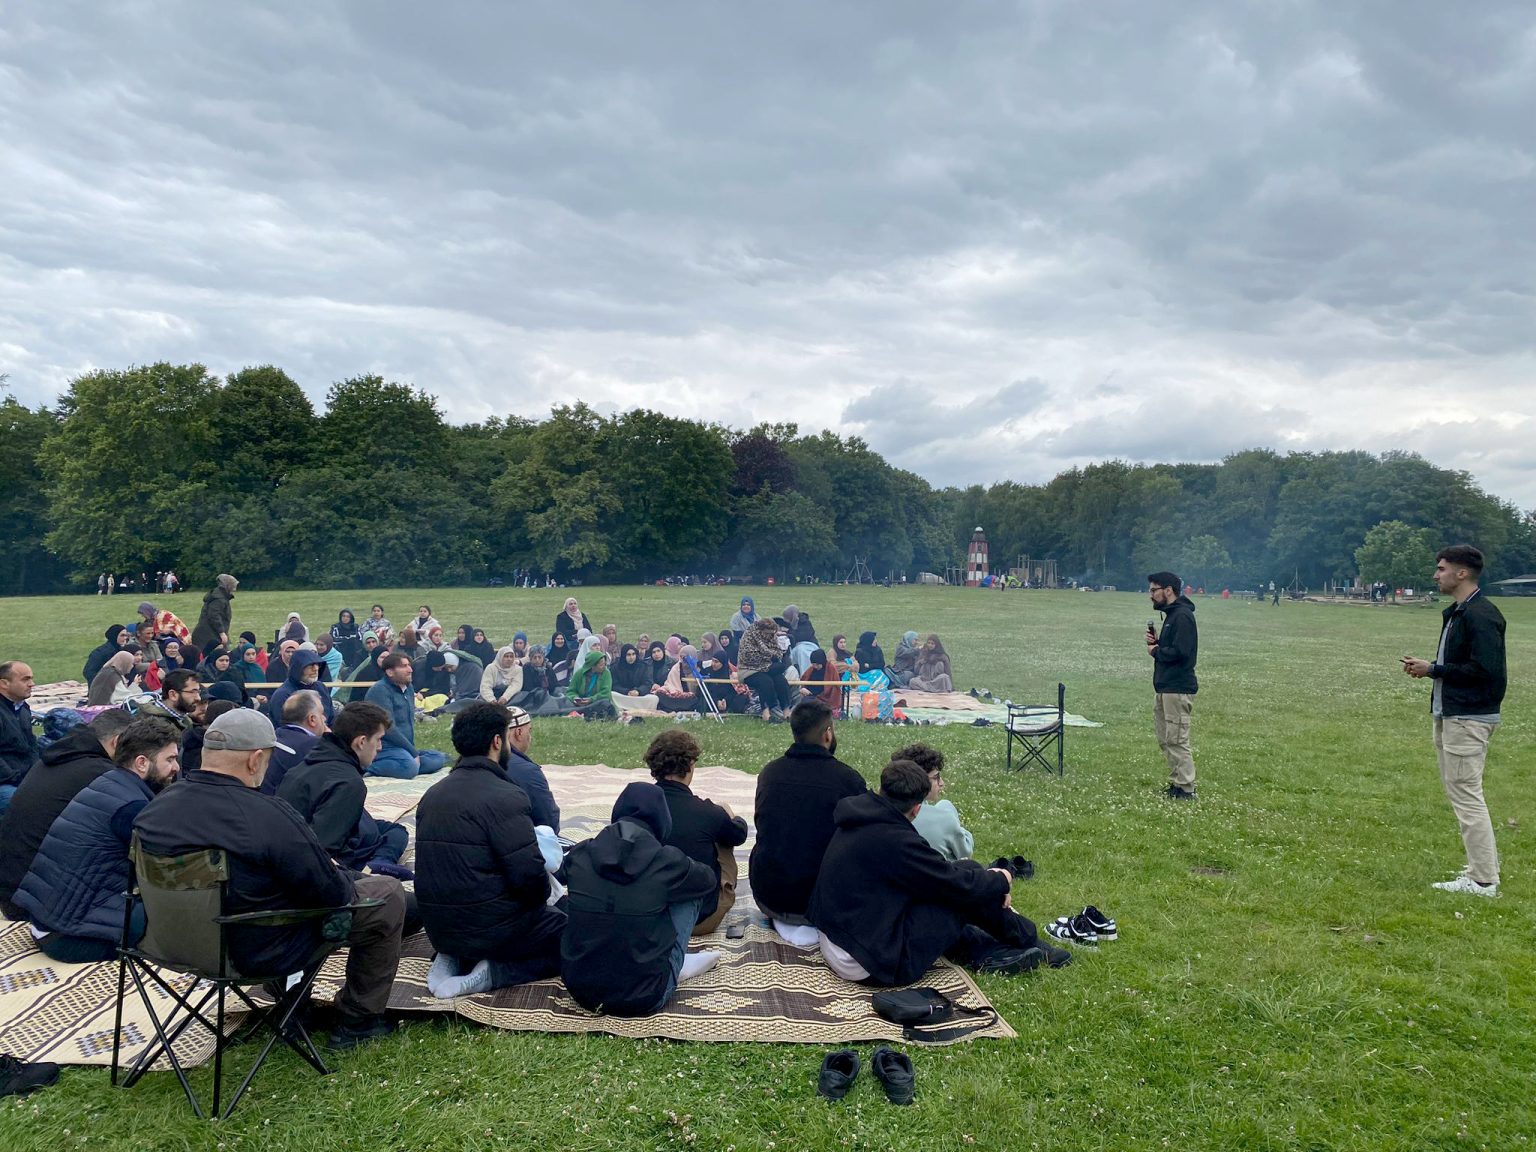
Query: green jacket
<point x="589" y="685"/>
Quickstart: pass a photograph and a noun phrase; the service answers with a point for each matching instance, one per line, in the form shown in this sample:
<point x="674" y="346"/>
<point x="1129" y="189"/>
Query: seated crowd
<point x="882" y="882"/>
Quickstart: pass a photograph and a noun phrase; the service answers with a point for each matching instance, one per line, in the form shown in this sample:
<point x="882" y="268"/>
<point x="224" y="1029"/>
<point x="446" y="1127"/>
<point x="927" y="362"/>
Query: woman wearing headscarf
<point x="631" y="676"/>
<point x="216" y="668"/>
<point x="113" y="684"/>
<point x="822" y="668"/>
<point x="744" y="618"/>
<point x="680" y="692"/>
<point x="559" y="660"/>
<point x="610" y="635"/>
<point x="245" y="671"/>
<point x="365" y="673"/>
<point x="99" y="655"/>
<point x="868" y="653"/>
<point x="294" y="629"/>
<point x="590" y="643"/>
<point x="520" y="646"/>
<point x="904" y="666"/>
<point x="591" y="689"/>
<point x="262" y="657"/>
<point x="570" y="621"/>
<point x="502" y="678"/>
<point x="347" y="637"/>
<point x="839" y="651"/>
<point x="433" y="641"/>
<point x="933" y="671"/>
<point x="172" y="657"/>
<point x="481" y="648"/>
<point x="657" y="663"/>
<point x="761" y="665"/>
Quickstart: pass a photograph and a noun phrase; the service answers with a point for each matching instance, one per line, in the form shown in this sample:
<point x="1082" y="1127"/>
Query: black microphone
<point x="1152" y="627"/>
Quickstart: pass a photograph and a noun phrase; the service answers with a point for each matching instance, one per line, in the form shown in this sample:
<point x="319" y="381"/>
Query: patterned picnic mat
<point x="763" y="990"/>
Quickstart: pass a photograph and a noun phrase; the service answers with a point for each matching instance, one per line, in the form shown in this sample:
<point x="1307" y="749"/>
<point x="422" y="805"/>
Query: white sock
<point x="477" y="979"/>
<point x="796" y="935"/>
<point x="444" y="968"/>
<point x="696" y="964"/>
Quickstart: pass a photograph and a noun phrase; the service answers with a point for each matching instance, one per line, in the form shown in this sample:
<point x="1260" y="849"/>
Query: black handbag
<point x="919" y="1010"/>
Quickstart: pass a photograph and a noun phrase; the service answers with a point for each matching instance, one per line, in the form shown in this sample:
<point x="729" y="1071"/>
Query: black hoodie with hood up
<point x="616" y="954"/>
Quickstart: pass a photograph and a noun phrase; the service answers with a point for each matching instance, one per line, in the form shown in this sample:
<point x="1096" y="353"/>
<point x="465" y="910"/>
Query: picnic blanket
<point x="762" y="990"/>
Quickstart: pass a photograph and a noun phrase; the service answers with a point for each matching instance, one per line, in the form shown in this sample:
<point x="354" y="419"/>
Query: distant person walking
<point x="213" y="625"/>
<point x="1173" y="652"/>
<point x="1469" y="680"/>
<point x="1274" y="593"/>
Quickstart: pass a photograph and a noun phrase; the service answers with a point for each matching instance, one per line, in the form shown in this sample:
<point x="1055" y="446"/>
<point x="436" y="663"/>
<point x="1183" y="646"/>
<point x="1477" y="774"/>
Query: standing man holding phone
<point x="1469" y="680"/>
<point x="1173" y="653"/>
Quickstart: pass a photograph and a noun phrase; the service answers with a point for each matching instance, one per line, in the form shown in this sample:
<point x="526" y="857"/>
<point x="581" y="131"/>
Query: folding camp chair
<point x="1035" y="727"/>
<point x="187" y="931"/>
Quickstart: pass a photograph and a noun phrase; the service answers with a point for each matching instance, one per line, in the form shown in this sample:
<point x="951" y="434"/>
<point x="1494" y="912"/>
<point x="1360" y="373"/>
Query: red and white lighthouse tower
<point x="976" y="559"/>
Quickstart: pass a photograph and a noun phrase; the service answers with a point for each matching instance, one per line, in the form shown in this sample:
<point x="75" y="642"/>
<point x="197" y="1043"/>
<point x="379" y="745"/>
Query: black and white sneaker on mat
<point x="1072" y="930"/>
<point x="1103" y="927"/>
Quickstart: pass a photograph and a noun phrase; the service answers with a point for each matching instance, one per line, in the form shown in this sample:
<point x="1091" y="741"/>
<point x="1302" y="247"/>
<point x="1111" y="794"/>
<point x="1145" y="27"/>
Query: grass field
<point x="1285" y="977"/>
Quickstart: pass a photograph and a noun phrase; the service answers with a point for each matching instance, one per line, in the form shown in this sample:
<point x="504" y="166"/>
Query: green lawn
<point x="1285" y="977"/>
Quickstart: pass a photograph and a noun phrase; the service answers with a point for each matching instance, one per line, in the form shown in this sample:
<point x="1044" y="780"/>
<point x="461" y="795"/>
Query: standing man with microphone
<point x="1173" y="653"/>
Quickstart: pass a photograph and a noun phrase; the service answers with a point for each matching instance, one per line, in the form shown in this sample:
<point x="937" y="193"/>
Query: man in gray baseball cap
<point x="275" y="862"/>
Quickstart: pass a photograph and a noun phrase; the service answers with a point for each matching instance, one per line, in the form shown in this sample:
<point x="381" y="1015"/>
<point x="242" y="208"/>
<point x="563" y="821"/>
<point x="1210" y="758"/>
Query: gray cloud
<point x="995" y="240"/>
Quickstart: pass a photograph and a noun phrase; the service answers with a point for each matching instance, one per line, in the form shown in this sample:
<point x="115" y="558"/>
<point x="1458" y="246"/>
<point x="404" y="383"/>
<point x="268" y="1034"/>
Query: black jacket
<point x="1173" y="663"/>
<point x="616" y="956"/>
<point x="699" y="828"/>
<point x="294" y="744"/>
<point x="62" y="770"/>
<point x="328" y="791"/>
<point x="528" y="776"/>
<point x="18" y="743"/>
<point x="275" y="862"/>
<point x="99" y="655"/>
<point x="480" y="878"/>
<point x="214" y="620"/>
<point x="796" y="795"/>
<point x="1472" y="676"/>
<point x="888" y="898"/>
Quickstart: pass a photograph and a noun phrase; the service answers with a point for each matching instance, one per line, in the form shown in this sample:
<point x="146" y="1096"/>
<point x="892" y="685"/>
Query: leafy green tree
<point x="1203" y="562"/>
<point x="128" y="472"/>
<point x="1397" y="554"/>
<point x="263" y="428"/>
<point x="26" y="565"/>
<point x="783" y="533"/>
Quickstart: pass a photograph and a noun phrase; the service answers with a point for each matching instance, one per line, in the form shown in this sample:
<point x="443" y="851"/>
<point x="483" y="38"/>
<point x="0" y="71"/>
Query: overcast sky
<point x="995" y="240"/>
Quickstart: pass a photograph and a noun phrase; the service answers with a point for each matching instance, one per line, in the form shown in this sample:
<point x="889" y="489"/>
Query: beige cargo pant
<point x="1171" y="711"/>
<point x="1462" y="747"/>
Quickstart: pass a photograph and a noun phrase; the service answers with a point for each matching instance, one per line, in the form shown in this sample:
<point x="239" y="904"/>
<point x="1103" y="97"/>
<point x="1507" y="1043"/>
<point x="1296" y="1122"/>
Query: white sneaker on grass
<point x="1467" y="886"/>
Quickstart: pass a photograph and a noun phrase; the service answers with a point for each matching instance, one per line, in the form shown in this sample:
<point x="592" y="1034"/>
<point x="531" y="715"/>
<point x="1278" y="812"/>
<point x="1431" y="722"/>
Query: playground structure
<point x="1033" y="573"/>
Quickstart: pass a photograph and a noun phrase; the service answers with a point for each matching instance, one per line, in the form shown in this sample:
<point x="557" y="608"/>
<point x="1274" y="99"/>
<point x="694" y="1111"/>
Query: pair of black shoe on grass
<point x="1017" y="866"/>
<point x="892" y="1068"/>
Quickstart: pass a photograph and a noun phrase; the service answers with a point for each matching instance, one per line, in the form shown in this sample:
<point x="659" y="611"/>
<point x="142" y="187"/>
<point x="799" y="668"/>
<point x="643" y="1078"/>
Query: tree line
<point x="167" y="466"/>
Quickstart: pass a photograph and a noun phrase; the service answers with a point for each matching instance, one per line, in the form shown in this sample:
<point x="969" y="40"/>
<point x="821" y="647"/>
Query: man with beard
<point x="481" y="876"/>
<point x="796" y="795"/>
<point x="76" y="889"/>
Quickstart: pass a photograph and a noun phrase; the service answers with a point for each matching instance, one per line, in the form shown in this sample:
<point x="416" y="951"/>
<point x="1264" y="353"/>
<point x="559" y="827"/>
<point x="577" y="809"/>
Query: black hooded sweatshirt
<point x="63" y="769"/>
<point x="868" y="653"/>
<point x="627" y="676"/>
<point x="796" y="797"/>
<point x="616" y="955"/>
<point x="888" y="898"/>
<point x="1173" y="668"/>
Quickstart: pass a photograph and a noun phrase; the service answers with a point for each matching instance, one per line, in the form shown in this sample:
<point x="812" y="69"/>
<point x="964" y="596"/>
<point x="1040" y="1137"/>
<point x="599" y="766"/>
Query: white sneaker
<point x="1467" y="886"/>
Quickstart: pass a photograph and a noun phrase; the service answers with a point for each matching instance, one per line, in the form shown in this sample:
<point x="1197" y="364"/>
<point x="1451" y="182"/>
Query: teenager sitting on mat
<point x="937" y="821"/>
<point x="634" y="901"/>
<point x="886" y="905"/>
<point x="705" y="831"/>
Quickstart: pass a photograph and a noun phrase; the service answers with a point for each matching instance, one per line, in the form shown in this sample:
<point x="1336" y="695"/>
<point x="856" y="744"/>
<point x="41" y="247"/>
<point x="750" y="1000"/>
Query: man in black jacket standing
<point x="796" y="795"/>
<point x="888" y="905"/>
<point x="1173" y="653"/>
<point x="481" y="879"/>
<point x="275" y="863"/>
<point x="1469" y="680"/>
